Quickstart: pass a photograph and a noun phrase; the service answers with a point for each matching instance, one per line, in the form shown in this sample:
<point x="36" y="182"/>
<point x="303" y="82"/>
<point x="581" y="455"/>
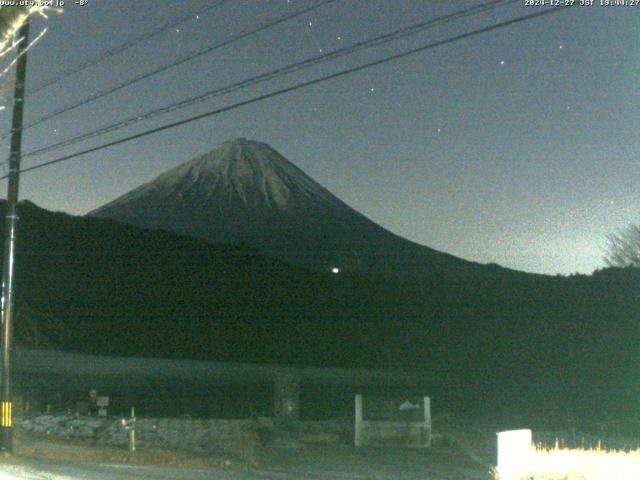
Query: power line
<point x="276" y="73"/>
<point x="301" y="85"/>
<point x="180" y="61"/>
<point x="123" y="47"/>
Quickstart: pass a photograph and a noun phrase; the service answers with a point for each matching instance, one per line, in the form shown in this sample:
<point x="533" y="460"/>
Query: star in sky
<point x="485" y="133"/>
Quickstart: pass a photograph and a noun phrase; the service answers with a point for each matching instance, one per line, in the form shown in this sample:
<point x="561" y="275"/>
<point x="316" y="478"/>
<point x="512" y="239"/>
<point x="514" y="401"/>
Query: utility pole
<point x="6" y="431"/>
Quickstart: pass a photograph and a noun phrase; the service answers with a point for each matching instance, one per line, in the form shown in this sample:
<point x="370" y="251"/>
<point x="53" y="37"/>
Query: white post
<point x="427" y="419"/>
<point x="514" y="453"/>
<point x="130" y="426"/>
<point x="358" y="431"/>
<point x="132" y="440"/>
<point x="132" y="431"/>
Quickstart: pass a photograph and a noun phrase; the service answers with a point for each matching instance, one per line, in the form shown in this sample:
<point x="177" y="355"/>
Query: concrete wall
<point x="392" y="432"/>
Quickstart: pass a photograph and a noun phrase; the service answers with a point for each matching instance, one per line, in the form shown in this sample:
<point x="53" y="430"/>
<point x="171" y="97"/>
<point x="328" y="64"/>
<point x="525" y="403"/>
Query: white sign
<point x="515" y="453"/>
<point x="102" y="401"/>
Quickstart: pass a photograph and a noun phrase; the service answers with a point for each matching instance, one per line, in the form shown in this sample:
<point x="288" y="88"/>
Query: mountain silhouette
<point x="245" y="191"/>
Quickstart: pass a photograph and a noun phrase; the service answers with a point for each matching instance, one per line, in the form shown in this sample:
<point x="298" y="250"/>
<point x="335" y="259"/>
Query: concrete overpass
<point x="43" y="368"/>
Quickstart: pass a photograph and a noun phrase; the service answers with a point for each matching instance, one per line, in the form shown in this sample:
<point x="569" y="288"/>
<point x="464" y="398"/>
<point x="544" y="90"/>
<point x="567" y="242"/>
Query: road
<point x="317" y="463"/>
<point x="59" y="470"/>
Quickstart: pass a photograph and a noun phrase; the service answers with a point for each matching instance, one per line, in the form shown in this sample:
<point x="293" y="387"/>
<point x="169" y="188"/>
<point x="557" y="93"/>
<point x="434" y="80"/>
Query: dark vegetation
<point x="486" y="338"/>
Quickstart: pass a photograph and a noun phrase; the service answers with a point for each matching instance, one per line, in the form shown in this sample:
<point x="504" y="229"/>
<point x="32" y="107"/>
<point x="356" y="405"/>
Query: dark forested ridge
<point x="98" y="286"/>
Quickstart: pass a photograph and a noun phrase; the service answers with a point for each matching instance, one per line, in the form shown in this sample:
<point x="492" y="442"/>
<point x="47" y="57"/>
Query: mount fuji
<point x="246" y="192"/>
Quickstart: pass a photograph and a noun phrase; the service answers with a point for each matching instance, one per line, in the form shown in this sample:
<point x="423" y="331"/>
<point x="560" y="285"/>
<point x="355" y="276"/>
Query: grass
<point x="575" y="464"/>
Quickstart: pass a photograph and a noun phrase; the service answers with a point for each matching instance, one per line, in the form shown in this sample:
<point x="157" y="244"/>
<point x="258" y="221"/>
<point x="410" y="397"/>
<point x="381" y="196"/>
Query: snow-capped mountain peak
<point x="240" y="171"/>
<point x="245" y="191"/>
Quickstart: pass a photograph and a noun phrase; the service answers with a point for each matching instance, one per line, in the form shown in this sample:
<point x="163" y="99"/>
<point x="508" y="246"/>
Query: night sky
<point x="519" y="146"/>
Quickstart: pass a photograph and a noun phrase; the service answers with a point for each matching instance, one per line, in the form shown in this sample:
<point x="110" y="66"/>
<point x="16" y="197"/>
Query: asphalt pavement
<point x="44" y="469"/>
<point x="316" y="463"/>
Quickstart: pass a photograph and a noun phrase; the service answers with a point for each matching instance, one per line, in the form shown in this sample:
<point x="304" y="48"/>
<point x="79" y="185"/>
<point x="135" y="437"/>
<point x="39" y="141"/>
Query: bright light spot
<point x="501" y="62"/>
<point x="15" y="45"/>
<point x="335" y="270"/>
<point x="12" y="18"/>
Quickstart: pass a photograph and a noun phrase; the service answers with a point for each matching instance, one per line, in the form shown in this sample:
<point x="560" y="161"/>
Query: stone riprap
<point x="197" y="435"/>
<point x="190" y="434"/>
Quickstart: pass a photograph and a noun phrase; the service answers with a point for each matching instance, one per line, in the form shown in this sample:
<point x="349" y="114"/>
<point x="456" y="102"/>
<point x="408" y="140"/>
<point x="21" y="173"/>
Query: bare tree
<point x="624" y="248"/>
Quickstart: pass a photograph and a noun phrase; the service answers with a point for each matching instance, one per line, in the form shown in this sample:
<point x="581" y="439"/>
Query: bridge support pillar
<point x="286" y="397"/>
<point x="286" y="409"/>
